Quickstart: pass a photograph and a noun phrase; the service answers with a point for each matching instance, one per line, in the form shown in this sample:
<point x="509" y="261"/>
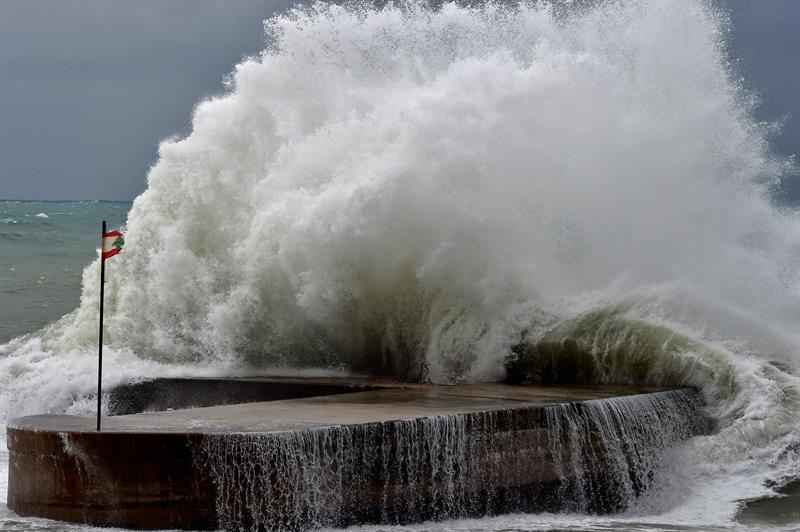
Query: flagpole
<point x="100" y="343"/>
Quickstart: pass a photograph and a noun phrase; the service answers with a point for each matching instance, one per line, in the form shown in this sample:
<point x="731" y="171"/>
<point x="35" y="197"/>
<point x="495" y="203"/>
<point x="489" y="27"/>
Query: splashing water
<point x="594" y="456"/>
<point x="388" y="187"/>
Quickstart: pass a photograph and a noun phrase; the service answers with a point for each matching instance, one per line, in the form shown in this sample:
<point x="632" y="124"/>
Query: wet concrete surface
<point x="384" y="402"/>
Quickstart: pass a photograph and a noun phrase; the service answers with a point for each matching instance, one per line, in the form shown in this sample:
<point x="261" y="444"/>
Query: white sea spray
<point x="389" y="187"/>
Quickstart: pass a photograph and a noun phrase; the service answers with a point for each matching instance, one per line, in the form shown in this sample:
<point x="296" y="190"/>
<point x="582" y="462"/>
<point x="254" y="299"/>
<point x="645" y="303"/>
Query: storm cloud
<point x="89" y="88"/>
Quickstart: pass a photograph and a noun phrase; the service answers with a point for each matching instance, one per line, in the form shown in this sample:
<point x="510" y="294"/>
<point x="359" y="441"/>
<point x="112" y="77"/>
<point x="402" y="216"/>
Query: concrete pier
<point x="347" y="451"/>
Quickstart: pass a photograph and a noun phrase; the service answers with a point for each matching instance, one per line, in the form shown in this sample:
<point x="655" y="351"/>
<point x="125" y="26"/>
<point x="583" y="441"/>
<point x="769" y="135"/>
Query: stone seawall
<point x="393" y="454"/>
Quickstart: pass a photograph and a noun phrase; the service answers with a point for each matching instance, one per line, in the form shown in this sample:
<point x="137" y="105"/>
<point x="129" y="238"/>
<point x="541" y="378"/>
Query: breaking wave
<point x="384" y="189"/>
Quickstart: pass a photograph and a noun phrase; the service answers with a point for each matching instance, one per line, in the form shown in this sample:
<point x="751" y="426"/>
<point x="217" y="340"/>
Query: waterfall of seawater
<point x="595" y="456"/>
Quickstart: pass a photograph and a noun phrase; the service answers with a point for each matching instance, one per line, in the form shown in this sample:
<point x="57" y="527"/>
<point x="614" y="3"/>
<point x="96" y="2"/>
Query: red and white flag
<point x="112" y="243"/>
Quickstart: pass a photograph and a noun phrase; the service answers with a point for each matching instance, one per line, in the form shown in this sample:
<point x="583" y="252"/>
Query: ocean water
<point x="388" y="187"/>
<point x="44" y="247"/>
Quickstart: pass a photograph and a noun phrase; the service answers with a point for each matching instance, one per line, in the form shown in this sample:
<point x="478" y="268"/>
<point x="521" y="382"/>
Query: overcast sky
<point x="88" y="88"/>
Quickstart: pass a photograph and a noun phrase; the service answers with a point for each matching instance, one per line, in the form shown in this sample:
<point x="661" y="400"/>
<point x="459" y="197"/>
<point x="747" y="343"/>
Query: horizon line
<point x="66" y="200"/>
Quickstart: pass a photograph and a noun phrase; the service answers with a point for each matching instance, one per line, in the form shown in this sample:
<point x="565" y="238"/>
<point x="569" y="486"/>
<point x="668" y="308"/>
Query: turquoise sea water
<point x="44" y="247"/>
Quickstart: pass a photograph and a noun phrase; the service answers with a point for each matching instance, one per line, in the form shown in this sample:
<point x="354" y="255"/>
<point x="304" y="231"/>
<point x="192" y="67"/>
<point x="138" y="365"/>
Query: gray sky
<point x="766" y="41"/>
<point x="88" y="88"/>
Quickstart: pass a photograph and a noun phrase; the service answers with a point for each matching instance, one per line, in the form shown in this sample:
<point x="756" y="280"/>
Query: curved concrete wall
<point x="384" y="456"/>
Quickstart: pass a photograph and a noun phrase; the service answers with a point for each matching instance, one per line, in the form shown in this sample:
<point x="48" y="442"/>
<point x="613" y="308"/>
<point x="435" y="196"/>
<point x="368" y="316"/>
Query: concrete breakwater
<point x="365" y="453"/>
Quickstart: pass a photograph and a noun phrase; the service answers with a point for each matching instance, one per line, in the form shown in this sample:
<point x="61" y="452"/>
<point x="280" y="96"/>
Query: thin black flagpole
<point x="100" y="343"/>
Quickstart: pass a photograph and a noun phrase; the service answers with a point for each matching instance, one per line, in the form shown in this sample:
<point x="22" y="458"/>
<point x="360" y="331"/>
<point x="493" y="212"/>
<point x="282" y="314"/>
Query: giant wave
<point x="386" y="189"/>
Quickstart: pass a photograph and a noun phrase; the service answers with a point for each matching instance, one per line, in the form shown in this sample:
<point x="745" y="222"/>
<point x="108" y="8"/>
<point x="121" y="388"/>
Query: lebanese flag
<point x="112" y="243"/>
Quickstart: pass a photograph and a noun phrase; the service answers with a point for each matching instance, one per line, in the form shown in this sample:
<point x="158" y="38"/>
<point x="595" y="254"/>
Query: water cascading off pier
<point x="377" y="453"/>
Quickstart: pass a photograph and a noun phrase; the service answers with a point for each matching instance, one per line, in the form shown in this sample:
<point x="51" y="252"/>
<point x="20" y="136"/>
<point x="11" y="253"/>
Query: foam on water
<point x="384" y="188"/>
